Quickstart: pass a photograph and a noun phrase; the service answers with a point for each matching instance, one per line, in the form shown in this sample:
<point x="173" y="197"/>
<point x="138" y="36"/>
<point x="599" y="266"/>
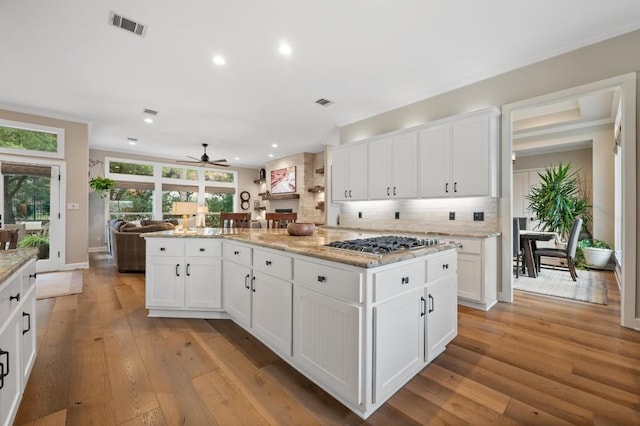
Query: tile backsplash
<point x="422" y="215"/>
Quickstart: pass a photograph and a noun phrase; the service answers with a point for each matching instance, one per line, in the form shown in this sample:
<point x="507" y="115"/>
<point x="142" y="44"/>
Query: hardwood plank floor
<point x="540" y="360"/>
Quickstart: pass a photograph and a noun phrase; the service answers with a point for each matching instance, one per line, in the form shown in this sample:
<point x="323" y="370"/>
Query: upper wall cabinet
<point x="349" y="173"/>
<point x="393" y="167"/>
<point x="458" y="156"/>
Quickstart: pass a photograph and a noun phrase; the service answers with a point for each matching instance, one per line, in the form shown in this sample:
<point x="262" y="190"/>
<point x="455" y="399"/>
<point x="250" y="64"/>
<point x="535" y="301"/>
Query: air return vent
<point x="150" y="111"/>
<point x="324" y="102"/>
<point x="127" y="24"/>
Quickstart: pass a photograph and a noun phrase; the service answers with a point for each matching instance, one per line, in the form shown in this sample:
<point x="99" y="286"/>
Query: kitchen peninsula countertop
<point x="12" y="260"/>
<point x="313" y="245"/>
<point x="465" y="233"/>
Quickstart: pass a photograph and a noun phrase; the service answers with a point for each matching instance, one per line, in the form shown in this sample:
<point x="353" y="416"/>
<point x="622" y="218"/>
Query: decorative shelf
<point x="264" y="180"/>
<point x="259" y="208"/>
<point x="274" y="197"/>
<point x="316" y="188"/>
<point x="262" y="194"/>
<point x="320" y="207"/>
<point x="320" y="171"/>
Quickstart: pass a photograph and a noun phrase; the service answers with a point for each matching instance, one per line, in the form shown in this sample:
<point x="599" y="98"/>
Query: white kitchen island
<point x="358" y="325"/>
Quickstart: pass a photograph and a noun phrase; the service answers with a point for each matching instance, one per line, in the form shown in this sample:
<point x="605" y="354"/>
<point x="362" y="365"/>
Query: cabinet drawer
<point x="397" y="280"/>
<point x="469" y="246"/>
<point x="278" y="265"/>
<point x="237" y="253"/>
<point x="442" y="264"/>
<point x="164" y="247"/>
<point x="330" y="280"/>
<point x="203" y="247"/>
<point x="8" y="290"/>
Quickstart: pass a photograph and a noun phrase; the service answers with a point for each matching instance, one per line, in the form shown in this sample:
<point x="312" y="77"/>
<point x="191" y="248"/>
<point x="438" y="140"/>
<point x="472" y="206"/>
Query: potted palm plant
<point x="596" y="252"/>
<point x="559" y="200"/>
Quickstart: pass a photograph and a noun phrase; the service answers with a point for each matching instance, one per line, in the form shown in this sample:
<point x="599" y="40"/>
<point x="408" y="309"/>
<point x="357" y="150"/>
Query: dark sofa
<point x="126" y="246"/>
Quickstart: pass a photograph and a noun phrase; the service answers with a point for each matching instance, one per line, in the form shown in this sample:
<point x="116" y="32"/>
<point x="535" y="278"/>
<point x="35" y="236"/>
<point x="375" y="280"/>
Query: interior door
<point x="30" y="202"/>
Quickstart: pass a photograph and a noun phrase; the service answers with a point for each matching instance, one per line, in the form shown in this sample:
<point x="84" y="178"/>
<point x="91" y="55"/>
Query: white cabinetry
<point x="477" y="272"/>
<point x="349" y="173"/>
<point x="17" y="338"/>
<point x="258" y="293"/>
<point x="392" y="166"/>
<point x="458" y="156"/>
<point x="183" y="277"/>
<point x="441" y="300"/>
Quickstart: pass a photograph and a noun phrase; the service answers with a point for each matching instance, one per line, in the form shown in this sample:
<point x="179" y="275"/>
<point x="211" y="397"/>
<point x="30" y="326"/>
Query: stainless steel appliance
<point x="385" y="244"/>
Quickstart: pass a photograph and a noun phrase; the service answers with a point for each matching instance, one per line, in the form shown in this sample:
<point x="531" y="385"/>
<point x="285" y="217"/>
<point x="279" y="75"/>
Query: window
<point x="132" y="201"/>
<point x="31" y="139"/>
<point x="218" y="176"/>
<point x="179" y="173"/>
<point x="135" y="169"/>
<point x="173" y="193"/>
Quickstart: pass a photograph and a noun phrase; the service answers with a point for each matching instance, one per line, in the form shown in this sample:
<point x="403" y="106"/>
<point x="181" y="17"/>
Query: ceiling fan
<point x="204" y="159"/>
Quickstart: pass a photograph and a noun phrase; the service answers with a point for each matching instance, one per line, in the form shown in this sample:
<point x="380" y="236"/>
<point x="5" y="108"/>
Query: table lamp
<point x="202" y="211"/>
<point x="185" y="209"/>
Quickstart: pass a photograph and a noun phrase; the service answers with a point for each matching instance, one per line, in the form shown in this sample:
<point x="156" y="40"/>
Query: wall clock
<point x="245" y="197"/>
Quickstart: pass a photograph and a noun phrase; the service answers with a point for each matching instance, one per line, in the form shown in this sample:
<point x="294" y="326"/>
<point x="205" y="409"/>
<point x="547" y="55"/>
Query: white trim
<point x="45" y="113"/>
<point x="101" y="249"/>
<point x="627" y="84"/>
<point x="23" y="125"/>
<point x="72" y="266"/>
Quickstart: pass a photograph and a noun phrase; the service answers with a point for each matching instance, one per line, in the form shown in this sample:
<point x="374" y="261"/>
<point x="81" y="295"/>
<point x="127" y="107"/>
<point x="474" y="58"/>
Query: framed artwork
<point x="283" y="180"/>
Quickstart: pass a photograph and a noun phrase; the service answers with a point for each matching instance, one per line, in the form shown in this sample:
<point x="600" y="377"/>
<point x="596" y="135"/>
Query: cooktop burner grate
<point x="385" y="244"/>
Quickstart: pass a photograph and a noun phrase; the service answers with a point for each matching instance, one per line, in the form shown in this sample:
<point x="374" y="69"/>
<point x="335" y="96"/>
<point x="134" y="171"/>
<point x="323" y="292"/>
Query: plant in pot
<point x="101" y="185"/>
<point x="42" y="243"/>
<point x="596" y="252"/>
<point x="559" y="200"/>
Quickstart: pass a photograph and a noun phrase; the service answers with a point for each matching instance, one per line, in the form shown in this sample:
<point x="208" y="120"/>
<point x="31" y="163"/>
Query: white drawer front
<point x="330" y="280"/>
<point x="164" y="247"/>
<point x="10" y="296"/>
<point x="469" y="246"/>
<point x="28" y="276"/>
<point x="397" y="280"/>
<point x="275" y="264"/>
<point x="442" y="264"/>
<point x="203" y="247"/>
<point x="236" y="253"/>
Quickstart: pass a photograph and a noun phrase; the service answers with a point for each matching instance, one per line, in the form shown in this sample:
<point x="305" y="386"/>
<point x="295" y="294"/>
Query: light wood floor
<point x="538" y="361"/>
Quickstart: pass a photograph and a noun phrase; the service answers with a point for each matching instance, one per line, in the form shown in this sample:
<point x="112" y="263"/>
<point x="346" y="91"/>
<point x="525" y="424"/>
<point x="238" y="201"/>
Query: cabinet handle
<point x="201" y="248"/>
<point x="321" y="279"/>
<point x="253" y="284"/>
<point x="246" y="284"/>
<point x="388" y="191"/>
<point x="432" y="304"/>
<point x="445" y="266"/>
<point x="4" y="373"/>
<point x="345" y="193"/>
<point x="394" y="190"/>
<point x="1" y="375"/>
<point x="34" y="275"/>
<point x="349" y="193"/>
<point x="16" y="298"/>
<point x="24" y="314"/>
<point x="446" y="187"/>
<point x="188" y="269"/>
<point x="268" y="262"/>
<point x="177" y="271"/>
<point x="405" y="280"/>
<point x="455" y="186"/>
<point x="236" y="252"/>
<point x="162" y="249"/>
<point x="423" y="307"/>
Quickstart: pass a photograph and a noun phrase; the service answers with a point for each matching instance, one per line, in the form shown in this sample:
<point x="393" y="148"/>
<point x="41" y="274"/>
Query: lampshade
<point x="202" y="211"/>
<point x="183" y="207"/>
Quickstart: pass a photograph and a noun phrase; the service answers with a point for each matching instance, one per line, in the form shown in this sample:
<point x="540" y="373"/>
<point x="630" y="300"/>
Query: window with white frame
<point x="21" y="138"/>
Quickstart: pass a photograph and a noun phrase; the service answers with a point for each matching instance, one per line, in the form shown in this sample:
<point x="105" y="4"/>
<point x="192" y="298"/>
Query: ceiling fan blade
<point x="188" y="162"/>
<point x="194" y="158"/>
<point x="222" y="160"/>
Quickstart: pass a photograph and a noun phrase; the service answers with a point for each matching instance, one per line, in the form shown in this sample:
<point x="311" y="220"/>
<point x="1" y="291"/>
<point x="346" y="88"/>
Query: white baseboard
<point x="98" y="249"/>
<point x="72" y="266"/>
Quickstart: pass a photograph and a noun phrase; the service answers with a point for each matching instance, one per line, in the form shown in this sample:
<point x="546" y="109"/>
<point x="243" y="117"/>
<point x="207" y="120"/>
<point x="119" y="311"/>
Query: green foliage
<point x="102" y="185"/>
<point x="558" y="201"/>
<point x="594" y="244"/>
<point x="28" y="139"/>
<point x="131" y="168"/>
<point x="33" y="241"/>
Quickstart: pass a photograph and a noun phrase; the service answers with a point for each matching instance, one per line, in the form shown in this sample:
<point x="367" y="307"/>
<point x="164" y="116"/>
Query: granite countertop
<point x="12" y="260"/>
<point x="464" y="233"/>
<point x="313" y="245"/>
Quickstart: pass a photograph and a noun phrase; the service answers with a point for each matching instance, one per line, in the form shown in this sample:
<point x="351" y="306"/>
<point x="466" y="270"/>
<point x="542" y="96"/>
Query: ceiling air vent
<point x="324" y="102"/>
<point x="132" y="139"/>
<point x="127" y="24"/>
<point x="150" y="111"/>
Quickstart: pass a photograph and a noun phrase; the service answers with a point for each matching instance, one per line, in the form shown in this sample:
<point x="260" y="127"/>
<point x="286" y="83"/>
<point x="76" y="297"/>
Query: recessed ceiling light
<point x="219" y="60"/>
<point x="270" y="155"/>
<point x="284" y="48"/>
<point x="237" y="158"/>
<point x="274" y="145"/>
<point x="132" y="143"/>
<point x="148" y="120"/>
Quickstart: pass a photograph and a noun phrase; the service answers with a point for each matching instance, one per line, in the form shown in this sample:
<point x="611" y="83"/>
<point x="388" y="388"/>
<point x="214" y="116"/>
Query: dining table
<point x="528" y="240"/>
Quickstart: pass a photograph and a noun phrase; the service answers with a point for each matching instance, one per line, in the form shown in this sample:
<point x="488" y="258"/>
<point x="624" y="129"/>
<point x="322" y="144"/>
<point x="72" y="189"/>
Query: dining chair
<point x="8" y="239"/>
<point x="518" y="251"/>
<point x="569" y="253"/>
<point x="235" y="220"/>
<point x="280" y="220"/>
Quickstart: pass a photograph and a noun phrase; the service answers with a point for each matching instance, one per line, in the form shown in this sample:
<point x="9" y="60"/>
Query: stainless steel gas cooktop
<point x="384" y="244"/>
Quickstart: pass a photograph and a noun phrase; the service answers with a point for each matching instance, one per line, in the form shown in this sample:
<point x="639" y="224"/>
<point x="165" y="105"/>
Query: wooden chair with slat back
<point x="280" y="220"/>
<point x="235" y="220"/>
<point x="8" y="239"/>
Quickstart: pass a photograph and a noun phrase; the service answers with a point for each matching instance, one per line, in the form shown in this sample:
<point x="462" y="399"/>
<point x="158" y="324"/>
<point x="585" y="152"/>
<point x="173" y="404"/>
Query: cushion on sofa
<point x="145" y="222"/>
<point x="148" y="228"/>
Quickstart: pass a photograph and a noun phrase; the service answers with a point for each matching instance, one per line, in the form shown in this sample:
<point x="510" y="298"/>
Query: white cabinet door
<point x="442" y="315"/>
<point x="357" y="169"/>
<point x="379" y="169"/>
<point x="321" y="325"/>
<point x="10" y="369"/>
<point x="398" y="342"/>
<point x="340" y="174"/>
<point x="28" y="334"/>
<point x="237" y="292"/>
<point x="272" y="311"/>
<point x="203" y="287"/>
<point x="470" y="276"/>
<point x="165" y="281"/>
<point x="434" y="156"/>
<point x="471" y="157"/>
<point x="404" y="155"/>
